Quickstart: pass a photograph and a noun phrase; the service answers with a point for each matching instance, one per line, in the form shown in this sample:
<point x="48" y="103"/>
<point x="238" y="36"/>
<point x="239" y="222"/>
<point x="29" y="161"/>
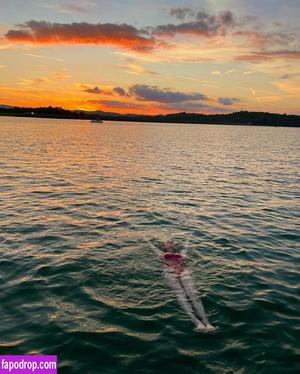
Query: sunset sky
<point x="159" y="56"/>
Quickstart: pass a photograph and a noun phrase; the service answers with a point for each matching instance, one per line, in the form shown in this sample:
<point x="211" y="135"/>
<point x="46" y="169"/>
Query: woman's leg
<point x="191" y="291"/>
<point x="182" y="299"/>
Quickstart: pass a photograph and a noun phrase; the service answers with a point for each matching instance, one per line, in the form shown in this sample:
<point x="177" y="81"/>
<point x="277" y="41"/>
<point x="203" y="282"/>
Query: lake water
<point x="78" y="278"/>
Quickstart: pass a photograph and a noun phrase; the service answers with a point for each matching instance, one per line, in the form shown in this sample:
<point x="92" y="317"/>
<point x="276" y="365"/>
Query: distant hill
<point x="236" y="118"/>
<point x="102" y="113"/>
<point x="3" y="106"/>
<point x="97" y="113"/>
<point x="241" y="118"/>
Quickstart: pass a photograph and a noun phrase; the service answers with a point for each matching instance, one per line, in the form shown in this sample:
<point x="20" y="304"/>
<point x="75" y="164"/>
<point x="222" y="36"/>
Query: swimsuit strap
<point x="172" y="256"/>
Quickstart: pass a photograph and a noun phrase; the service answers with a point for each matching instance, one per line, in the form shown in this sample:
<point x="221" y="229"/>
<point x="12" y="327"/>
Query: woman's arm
<point x="155" y="249"/>
<point x="183" y="252"/>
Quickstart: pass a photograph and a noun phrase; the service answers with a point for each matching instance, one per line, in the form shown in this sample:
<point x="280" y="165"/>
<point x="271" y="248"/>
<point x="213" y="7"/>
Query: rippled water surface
<point x="79" y="204"/>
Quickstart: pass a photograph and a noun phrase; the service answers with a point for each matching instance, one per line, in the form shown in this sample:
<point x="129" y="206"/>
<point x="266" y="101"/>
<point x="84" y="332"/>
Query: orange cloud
<point x="267" y="56"/>
<point x="6" y="46"/>
<point x="35" y="95"/>
<point x="34" y="81"/>
<point x="136" y="69"/>
<point x="61" y="75"/>
<point x="42" y="32"/>
<point x="291" y="87"/>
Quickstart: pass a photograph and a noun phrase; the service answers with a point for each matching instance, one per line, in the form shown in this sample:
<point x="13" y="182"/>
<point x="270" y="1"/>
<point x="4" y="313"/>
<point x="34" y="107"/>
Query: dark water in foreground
<point x="78" y="278"/>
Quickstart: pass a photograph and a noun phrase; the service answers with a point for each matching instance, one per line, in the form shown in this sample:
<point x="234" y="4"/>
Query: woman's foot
<point x="200" y="327"/>
<point x="204" y="328"/>
<point x="210" y="327"/>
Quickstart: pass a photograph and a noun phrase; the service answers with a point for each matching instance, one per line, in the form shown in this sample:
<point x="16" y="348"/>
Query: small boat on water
<point x="96" y="121"/>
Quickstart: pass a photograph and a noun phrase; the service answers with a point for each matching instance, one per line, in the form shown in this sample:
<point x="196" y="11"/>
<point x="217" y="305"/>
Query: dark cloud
<point x="181" y="13"/>
<point x="95" y="90"/>
<point x="204" y="25"/>
<point x="227" y="18"/>
<point x="120" y="91"/>
<point x="153" y="93"/>
<point x="42" y="32"/>
<point x="227" y="100"/>
<point x="143" y="92"/>
<point x="164" y="99"/>
<point x="186" y="107"/>
<point x="224" y="18"/>
<point x="209" y="25"/>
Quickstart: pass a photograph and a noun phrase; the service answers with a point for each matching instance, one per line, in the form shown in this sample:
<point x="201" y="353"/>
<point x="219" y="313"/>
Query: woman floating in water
<point x="180" y="280"/>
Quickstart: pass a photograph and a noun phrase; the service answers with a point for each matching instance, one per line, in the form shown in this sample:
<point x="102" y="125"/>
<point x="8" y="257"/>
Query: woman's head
<point x="169" y="246"/>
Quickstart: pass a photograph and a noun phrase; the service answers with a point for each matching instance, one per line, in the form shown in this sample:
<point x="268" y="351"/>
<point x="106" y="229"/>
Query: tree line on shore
<point x="239" y="118"/>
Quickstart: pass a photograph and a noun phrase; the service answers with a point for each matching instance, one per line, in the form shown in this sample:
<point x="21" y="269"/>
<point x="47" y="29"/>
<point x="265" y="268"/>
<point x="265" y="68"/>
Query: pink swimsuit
<point x="174" y="262"/>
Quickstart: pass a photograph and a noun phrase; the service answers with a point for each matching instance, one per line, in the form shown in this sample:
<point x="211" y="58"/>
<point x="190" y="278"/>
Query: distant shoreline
<point x="153" y="121"/>
<point x="243" y="118"/>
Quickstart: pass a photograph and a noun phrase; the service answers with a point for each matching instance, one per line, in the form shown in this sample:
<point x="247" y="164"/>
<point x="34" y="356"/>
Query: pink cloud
<point x="42" y="32"/>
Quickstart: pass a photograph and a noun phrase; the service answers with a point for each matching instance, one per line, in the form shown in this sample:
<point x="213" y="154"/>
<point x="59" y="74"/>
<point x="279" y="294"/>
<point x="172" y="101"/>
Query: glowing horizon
<point x="168" y="56"/>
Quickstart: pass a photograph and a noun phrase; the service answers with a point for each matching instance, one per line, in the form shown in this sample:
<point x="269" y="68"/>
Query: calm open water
<point x="79" y="204"/>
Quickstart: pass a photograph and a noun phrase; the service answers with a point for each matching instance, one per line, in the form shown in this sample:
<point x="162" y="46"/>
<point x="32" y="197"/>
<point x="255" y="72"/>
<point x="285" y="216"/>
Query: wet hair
<point x="172" y="249"/>
<point x="172" y="246"/>
<point x="175" y="248"/>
